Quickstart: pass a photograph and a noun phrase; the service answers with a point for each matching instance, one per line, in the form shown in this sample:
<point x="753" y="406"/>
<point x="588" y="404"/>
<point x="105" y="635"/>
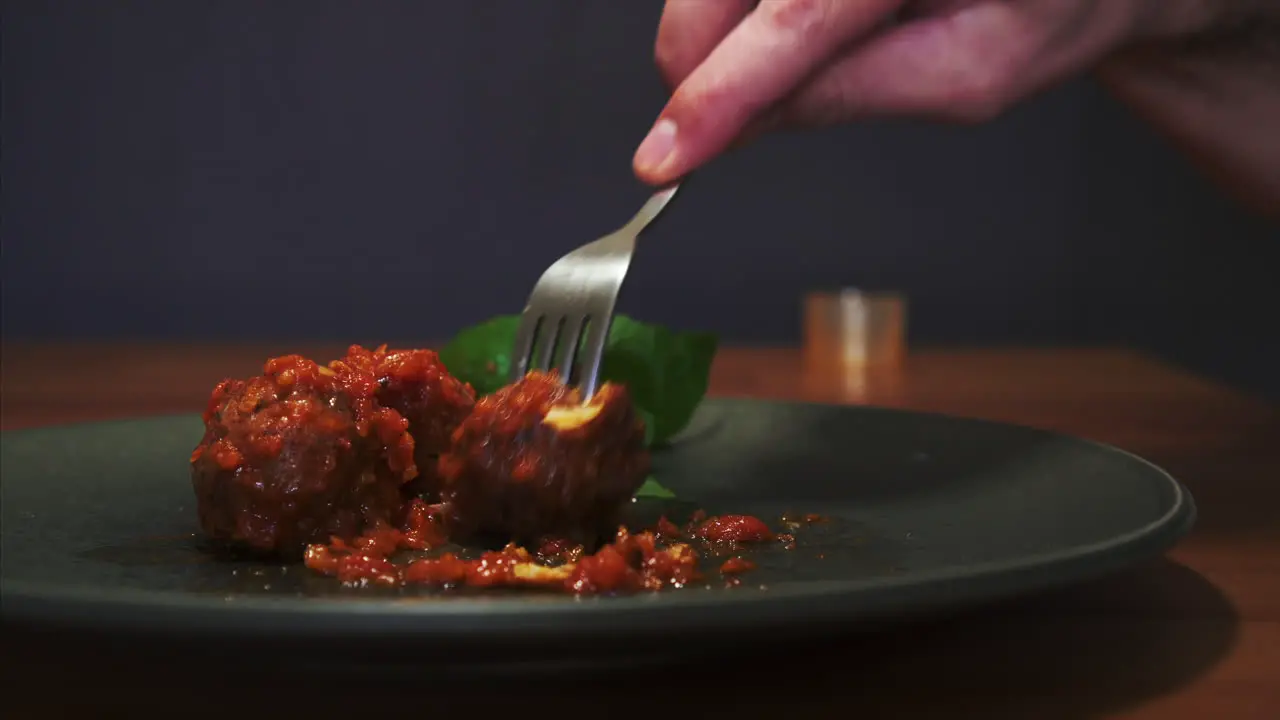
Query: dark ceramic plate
<point x="927" y="513"/>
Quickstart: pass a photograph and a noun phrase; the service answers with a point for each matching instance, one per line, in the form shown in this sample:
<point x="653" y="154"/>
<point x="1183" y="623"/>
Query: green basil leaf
<point x="652" y="489"/>
<point x="481" y="354"/>
<point x="666" y="372"/>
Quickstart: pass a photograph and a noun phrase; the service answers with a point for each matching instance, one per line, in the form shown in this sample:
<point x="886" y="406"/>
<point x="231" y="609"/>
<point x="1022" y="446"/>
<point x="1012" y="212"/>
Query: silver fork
<point x="578" y="292"/>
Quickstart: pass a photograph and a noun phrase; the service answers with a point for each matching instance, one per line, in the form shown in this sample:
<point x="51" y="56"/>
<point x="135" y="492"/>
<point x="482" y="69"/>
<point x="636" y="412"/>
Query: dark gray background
<point x="377" y="169"/>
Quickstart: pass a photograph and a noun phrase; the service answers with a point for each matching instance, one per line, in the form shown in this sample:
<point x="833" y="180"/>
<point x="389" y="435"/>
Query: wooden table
<point x="1196" y="635"/>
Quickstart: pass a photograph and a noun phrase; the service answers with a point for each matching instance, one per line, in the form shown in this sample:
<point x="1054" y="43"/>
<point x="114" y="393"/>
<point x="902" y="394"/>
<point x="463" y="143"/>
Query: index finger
<point x="690" y="29"/>
<point x="762" y="60"/>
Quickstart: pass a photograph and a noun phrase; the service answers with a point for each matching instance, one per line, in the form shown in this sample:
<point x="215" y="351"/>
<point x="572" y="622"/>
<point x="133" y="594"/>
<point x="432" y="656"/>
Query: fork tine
<point x="523" y="349"/>
<point x="592" y="353"/>
<point x="545" y="344"/>
<point x="581" y="288"/>
<point x="570" y="334"/>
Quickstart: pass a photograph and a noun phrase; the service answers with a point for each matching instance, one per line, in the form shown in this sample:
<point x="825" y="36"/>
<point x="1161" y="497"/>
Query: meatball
<point x="298" y="455"/>
<point x="532" y="461"/>
<point x="416" y="384"/>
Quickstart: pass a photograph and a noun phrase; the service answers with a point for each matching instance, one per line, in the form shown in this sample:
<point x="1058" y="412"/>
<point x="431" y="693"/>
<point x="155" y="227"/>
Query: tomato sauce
<point x="650" y="560"/>
<point x="734" y="529"/>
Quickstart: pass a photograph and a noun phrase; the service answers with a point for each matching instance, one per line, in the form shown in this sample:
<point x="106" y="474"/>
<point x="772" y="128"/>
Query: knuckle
<point x="671" y="48"/>
<point x="696" y="104"/>
<point x="667" y="54"/>
<point x="803" y="18"/>
<point x="703" y="109"/>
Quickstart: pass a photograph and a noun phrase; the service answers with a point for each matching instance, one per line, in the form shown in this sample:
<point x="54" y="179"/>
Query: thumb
<point x="764" y="58"/>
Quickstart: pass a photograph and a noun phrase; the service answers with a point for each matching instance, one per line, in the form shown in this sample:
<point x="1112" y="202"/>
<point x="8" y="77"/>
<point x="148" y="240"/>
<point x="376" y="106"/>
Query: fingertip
<point x="657" y="159"/>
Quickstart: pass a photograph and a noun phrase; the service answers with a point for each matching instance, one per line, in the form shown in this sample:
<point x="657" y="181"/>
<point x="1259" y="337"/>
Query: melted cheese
<point x="569" y="417"/>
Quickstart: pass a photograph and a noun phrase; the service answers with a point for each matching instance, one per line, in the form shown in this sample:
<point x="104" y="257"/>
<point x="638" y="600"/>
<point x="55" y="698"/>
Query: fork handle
<point x="650" y="211"/>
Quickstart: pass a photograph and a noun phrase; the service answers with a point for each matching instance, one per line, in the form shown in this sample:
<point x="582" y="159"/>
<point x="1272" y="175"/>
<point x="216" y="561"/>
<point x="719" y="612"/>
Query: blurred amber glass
<point x="854" y="330"/>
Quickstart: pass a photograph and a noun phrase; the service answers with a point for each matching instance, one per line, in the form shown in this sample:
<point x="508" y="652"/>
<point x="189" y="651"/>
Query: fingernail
<point x="658" y="148"/>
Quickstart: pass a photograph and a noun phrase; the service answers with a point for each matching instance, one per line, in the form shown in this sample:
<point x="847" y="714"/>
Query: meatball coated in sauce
<point x="296" y="456"/>
<point x="532" y="461"/>
<point x="416" y="384"/>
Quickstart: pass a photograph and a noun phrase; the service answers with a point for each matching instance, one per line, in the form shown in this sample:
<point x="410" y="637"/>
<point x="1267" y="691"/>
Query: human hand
<point x="739" y="68"/>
